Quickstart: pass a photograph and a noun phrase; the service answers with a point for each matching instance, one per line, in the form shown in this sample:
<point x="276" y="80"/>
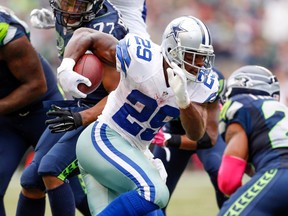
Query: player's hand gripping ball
<point x="91" y="67"/>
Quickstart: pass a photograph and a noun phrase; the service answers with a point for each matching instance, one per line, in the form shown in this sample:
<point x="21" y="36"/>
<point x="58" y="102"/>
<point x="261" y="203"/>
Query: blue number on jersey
<point x="143" y="50"/>
<point x="128" y="115"/>
<point x="148" y="110"/>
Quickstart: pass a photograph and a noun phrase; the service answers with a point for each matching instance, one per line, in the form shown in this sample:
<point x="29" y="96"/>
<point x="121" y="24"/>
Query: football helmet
<point x="188" y="35"/>
<point x="252" y="79"/>
<point x="72" y="13"/>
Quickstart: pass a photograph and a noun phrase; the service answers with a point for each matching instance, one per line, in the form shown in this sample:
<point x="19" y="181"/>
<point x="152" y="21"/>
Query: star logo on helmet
<point x="175" y="30"/>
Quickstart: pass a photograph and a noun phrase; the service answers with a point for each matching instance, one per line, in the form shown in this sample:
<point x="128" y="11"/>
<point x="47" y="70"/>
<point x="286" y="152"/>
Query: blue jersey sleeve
<point x="10" y="29"/>
<point x="234" y="111"/>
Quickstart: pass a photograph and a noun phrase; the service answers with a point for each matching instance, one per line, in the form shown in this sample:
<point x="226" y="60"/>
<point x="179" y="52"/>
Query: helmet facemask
<point x="73" y="13"/>
<point x="201" y="72"/>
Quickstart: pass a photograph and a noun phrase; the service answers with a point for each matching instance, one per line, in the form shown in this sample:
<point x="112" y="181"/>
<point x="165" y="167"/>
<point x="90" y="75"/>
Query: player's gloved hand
<point x="159" y="139"/>
<point x="64" y="120"/>
<point x="42" y="18"/>
<point x="178" y="82"/>
<point x="69" y="79"/>
<point x="161" y="168"/>
<point x="157" y="163"/>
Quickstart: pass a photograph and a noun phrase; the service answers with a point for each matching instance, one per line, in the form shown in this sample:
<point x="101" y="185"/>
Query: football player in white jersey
<point x="156" y="85"/>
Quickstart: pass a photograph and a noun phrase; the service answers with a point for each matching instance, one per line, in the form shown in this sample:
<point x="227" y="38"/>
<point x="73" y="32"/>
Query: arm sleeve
<point x="230" y="174"/>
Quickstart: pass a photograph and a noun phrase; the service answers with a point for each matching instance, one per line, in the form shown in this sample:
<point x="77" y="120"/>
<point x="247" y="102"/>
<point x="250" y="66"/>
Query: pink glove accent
<point x="159" y="139"/>
<point x="230" y="174"/>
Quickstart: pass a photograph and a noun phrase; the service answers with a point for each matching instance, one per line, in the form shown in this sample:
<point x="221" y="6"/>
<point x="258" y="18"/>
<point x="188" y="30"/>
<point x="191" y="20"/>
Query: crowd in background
<point x="243" y="31"/>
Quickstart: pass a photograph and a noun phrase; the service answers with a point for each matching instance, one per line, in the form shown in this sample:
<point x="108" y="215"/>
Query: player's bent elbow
<point x="195" y="134"/>
<point x="38" y="87"/>
<point x="230" y="174"/>
<point x="228" y="186"/>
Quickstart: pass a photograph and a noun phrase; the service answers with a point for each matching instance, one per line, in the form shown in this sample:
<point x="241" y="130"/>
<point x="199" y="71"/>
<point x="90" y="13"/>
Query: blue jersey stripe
<point x="144" y="11"/>
<point x="123" y="55"/>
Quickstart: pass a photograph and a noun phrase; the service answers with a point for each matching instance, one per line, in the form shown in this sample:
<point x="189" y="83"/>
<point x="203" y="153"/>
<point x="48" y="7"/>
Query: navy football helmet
<point x="252" y="79"/>
<point x="72" y="13"/>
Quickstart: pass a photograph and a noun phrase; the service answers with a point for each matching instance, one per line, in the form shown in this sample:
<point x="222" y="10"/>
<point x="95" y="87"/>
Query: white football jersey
<point x="134" y="15"/>
<point x="142" y="103"/>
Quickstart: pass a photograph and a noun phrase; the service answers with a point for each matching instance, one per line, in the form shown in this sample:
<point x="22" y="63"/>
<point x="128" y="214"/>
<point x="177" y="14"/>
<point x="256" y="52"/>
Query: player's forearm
<point x="193" y="119"/>
<point x="100" y="44"/>
<point x="78" y="44"/>
<point x="22" y="97"/>
<point x="90" y="115"/>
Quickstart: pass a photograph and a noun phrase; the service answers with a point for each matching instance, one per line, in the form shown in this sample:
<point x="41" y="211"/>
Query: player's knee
<point x="30" y="178"/>
<point x="46" y="167"/>
<point x="212" y="164"/>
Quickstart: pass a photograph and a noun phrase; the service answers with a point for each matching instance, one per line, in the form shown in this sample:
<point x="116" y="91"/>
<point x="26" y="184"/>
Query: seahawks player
<point x="254" y="126"/>
<point x="176" y="150"/>
<point x="120" y="173"/>
<point x="55" y="160"/>
<point x="26" y="81"/>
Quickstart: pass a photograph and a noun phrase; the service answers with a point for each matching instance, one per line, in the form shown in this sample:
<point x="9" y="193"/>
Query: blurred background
<point x="243" y="31"/>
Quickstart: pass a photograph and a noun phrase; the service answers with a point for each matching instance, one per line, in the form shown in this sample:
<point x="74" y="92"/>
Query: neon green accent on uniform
<point x="221" y="86"/>
<point x="224" y="109"/>
<point x="3" y="31"/>
<point x="244" y="200"/>
<point x="61" y="90"/>
<point x="82" y="183"/>
<point x="68" y="170"/>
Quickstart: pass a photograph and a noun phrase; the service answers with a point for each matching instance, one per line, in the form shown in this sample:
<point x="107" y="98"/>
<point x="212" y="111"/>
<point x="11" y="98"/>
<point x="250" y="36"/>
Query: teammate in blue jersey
<point x="158" y="84"/>
<point x="254" y="126"/>
<point x="26" y="81"/>
<point x="176" y="149"/>
<point x="55" y="157"/>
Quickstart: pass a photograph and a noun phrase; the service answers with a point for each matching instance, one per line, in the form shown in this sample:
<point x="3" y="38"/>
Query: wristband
<point x="77" y="119"/>
<point x="205" y="142"/>
<point x="174" y="141"/>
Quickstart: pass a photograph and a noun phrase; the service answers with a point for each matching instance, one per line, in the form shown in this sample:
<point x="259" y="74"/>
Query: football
<point x="91" y="67"/>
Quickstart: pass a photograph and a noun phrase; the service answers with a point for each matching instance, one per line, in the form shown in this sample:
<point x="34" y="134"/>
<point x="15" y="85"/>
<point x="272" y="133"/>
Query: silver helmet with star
<point x="188" y="34"/>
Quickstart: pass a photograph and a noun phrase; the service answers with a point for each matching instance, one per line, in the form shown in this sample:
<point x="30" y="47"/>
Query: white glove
<point x="161" y="168"/>
<point x="178" y="83"/>
<point x="157" y="163"/>
<point x="42" y="18"/>
<point x="69" y="79"/>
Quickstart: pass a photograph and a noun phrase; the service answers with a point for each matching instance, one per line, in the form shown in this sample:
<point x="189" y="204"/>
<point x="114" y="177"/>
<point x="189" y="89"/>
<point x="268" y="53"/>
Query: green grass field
<point x="194" y="195"/>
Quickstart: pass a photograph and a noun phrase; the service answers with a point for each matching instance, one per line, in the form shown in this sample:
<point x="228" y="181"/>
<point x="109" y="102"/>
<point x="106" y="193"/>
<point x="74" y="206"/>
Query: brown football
<point x="91" y="67"/>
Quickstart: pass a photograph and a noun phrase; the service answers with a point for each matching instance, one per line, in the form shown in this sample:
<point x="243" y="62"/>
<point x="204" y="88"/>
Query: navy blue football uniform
<point x="265" y="122"/>
<point x="22" y="128"/>
<point x="178" y="159"/>
<point x="108" y="21"/>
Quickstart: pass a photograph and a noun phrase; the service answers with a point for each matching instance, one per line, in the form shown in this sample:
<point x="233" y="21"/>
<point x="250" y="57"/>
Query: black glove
<point x="65" y="119"/>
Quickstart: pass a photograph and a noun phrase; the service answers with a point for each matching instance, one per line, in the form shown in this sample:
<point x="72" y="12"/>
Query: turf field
<point x="193" y="196"/>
